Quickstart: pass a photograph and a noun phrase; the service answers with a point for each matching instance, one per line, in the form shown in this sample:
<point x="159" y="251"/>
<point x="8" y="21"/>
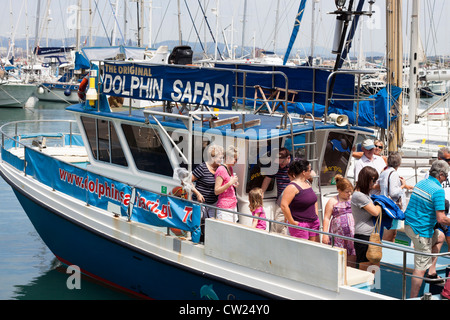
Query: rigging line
<point x="117" y="22"/>
<point x="193" y="24"/>
<point x="101" y="19"/>
<point x="164" y="16"/>
<point x="64" y="29"/>
<point x="431" y="31"/>
<point x="210" y="31"/>
<point x="201" y="25"/>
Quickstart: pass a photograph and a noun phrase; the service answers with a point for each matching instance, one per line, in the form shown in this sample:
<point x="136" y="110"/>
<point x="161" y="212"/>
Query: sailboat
<point x="426" y="132"/>
<point x="14" y="90"/>
<point x="15" y="93"/>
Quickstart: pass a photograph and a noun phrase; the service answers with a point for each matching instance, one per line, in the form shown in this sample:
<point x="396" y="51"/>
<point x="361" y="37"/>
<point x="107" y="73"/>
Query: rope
<point x="48" y="90"/>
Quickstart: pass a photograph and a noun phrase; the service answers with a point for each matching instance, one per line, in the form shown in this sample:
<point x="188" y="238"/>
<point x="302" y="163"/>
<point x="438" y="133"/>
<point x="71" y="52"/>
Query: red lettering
<point x="188" y="214"/>
<point x="164" y="212"/>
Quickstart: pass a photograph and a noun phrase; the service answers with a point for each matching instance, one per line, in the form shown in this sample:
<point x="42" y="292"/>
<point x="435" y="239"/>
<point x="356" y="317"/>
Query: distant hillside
<point x="102" y="42"/>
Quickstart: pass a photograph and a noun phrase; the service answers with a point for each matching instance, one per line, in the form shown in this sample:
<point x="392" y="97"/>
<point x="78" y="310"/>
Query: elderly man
<point x="369" y="159"/>
<point x="425" y="208"/>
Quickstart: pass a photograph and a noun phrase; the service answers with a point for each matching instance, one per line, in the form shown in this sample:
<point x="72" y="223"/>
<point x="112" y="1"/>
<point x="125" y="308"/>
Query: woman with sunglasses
<point x="379" y="146"/>
<point x="363" y="209"/>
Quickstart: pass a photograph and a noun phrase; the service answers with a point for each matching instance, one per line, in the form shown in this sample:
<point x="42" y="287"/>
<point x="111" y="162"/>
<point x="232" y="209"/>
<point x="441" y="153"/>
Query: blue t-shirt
<point x="427" y="197"/>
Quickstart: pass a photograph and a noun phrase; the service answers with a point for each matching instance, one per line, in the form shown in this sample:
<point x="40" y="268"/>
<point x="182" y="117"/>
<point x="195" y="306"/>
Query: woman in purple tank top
<point x="299" y="202"/>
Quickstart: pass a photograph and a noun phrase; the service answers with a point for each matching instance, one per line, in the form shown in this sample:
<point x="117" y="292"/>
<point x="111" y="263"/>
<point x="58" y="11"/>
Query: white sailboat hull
<point x="15" y="94"/>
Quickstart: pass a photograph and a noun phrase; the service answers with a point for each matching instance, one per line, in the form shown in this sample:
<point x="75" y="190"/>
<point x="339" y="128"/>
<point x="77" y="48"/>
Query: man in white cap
<point x="369" y="158"/>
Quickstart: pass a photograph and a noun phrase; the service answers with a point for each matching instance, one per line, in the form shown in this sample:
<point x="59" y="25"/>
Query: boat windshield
<point x="103" y="141"/>
<point x="336" y="157"/>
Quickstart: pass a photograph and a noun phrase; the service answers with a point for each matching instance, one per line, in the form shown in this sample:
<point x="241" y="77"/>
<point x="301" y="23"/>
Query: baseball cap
<point x="368" y="144"/>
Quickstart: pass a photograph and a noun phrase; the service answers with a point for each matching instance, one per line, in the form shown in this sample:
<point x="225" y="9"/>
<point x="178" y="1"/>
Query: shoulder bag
<point x="374" y="253"/>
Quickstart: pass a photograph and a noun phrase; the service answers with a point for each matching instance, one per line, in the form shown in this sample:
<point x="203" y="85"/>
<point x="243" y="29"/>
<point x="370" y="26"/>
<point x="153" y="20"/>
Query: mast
<point x="243" y="28"/>
<point x="141" y="28"/>
<point x="91" y="16"/>
<point x="180" y="37"/>
<point x="414" y="64"/>
<point x="313" y="26"/>
<point x="150" y="30"/>
<point x="394" y="66"/>
<point x="125" y="22"/>
<point x="275" y="33"/>
<point x="114" y="34"/>
<point x="78" y="31"/>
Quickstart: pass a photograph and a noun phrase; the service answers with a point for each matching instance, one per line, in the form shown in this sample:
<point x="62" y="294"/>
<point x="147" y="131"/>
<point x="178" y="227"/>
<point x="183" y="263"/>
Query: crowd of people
<point x="350" y="213"/>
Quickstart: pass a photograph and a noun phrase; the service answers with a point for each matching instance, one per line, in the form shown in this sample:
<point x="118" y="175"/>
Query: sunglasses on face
<point x="379" y="147"/>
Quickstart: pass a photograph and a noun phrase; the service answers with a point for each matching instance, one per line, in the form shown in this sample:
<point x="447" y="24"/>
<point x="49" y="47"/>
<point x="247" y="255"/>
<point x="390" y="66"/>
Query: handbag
<point x="374" y="253"/>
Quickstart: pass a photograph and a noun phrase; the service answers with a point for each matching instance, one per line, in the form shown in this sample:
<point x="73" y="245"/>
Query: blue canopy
<point x="81" y="62"/>
<point x="373" y="113"/>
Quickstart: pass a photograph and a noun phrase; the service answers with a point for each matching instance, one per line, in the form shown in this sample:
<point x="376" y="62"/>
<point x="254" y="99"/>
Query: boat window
<point x="300" y="151"/>
<point x="105" y="145"/>
<point x="337" y="156"/>
<point x="147" y="149"/>
<point x="261" y="166"/>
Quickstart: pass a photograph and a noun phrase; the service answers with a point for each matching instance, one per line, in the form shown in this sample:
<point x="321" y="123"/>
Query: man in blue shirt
<point x="426" y="207"/>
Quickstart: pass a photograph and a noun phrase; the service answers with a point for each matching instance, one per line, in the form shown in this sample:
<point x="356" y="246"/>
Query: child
<point x="255" y="198"/>
<point x="338" y="218"/>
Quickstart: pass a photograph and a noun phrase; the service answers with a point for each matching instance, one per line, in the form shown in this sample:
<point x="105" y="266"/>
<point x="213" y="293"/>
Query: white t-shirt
<point x="377" y="163"/>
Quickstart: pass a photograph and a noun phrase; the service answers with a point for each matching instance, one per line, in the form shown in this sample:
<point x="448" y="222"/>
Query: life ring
<point x="179" y="192"/>
<point x="82" y="88"/>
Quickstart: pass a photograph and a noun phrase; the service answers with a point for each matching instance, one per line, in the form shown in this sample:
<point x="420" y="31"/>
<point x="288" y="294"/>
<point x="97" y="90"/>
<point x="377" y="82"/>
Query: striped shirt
<point x="428" y="197"/>
<point x="282" y="180"/>
<point x="205" y="183"/>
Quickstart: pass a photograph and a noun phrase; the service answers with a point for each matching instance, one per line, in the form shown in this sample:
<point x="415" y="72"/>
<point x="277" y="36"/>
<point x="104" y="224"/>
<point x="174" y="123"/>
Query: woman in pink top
<point x="225" y="186"/>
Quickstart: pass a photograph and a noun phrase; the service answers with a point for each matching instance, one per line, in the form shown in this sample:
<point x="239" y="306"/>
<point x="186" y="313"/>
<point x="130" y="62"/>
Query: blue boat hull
<point x="126" y="267"/>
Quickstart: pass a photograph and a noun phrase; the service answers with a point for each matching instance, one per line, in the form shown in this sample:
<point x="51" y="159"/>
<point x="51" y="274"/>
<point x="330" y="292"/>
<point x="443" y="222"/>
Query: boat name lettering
<point x="165" y="83"/>
<point x="186" y="92"/>
<point x="128" y="69"/>
<point x="138" y="87"/>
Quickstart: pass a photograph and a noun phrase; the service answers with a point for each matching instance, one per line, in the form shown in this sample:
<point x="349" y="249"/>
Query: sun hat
<point x="368" y="144"/>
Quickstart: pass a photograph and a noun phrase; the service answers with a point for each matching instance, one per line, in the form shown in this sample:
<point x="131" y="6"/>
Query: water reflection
<point x="51" y="285"/>
<point x="28" y="269"/>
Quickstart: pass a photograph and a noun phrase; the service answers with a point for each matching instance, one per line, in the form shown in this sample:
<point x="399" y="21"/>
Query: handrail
<point x="331" y="77"/>
<point x="405" y="251"/>
<point x="4" y="134"/>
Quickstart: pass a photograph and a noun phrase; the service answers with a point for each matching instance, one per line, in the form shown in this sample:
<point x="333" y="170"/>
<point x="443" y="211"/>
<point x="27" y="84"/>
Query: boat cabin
<point x="149" y="146"/>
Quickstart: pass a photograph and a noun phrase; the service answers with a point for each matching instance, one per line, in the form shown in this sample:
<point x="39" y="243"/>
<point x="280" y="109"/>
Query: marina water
<point x="28" y="269"/>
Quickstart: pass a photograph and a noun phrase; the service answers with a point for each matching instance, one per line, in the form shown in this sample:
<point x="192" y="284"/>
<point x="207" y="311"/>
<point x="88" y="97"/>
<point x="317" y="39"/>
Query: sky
<point x="19" y="17"/>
